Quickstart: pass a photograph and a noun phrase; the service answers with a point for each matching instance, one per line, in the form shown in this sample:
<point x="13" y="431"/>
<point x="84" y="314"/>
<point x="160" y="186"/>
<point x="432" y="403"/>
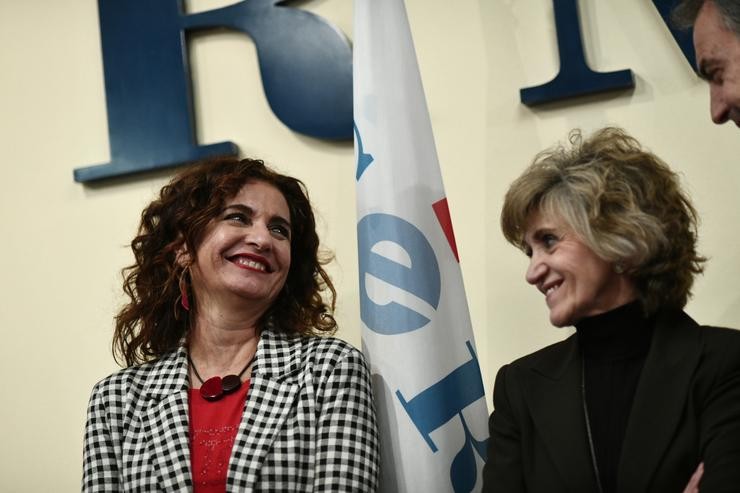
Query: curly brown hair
<point x="153" y="323"/>
<point x="623" y="202"/>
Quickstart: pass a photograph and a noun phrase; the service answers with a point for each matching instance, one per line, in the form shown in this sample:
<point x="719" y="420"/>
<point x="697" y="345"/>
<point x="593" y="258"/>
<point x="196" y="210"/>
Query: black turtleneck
<point x="614" y="346"/>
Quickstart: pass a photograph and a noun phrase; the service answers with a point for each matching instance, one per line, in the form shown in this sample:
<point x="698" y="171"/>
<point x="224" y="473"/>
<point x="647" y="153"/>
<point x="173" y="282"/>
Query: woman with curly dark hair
<point x="230" y="382"/>
<point x="641" y="398"/>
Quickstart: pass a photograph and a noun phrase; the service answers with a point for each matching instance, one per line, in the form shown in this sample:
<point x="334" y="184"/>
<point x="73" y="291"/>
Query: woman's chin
<point x="560" y="321"/>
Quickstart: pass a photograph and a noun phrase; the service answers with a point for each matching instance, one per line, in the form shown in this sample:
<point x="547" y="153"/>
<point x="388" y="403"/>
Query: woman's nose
<point x="259" y="236"/>
<point x="535" y="270"/>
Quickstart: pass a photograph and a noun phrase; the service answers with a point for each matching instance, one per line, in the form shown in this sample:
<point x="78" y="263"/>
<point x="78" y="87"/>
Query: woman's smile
<point x="251" y="262"/>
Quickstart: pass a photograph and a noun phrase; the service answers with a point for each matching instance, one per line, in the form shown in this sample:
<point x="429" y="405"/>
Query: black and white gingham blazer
<point x="308" y="423"/>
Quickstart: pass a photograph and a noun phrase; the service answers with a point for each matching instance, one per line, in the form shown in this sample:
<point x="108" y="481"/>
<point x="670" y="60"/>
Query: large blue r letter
<point x="306" y="67"/>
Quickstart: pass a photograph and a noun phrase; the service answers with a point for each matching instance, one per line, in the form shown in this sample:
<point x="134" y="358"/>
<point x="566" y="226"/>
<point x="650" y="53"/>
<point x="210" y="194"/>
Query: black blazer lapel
<point x="554" y="393"/>
<point x="660" y="399"/>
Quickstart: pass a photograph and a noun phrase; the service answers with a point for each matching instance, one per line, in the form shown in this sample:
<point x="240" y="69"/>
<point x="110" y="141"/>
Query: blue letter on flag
<point x="421" y="278"/>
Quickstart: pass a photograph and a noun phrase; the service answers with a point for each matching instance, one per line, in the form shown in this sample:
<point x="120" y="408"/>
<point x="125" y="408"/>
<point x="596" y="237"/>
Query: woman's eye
<point x="237" y="217"/>
<point x="280" y="230"/>
<point x="549" y="240"/>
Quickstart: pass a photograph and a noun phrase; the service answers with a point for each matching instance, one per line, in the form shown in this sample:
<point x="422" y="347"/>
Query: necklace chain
<point x="591" y="448"/>
<point x="195" y="370"/>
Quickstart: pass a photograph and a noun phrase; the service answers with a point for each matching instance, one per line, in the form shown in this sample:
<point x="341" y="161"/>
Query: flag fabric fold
<point x="416" y="328"/>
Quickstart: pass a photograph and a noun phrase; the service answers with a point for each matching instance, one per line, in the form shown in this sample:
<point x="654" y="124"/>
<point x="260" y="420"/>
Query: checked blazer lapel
<point x="553" y="389"/>
<point x="273" y="389"/>
<point x="164" y="421"/>
<point x="658" y="402"/>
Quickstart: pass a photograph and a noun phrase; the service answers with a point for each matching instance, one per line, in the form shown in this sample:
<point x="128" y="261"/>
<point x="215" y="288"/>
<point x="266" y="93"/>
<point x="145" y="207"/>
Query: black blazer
<point x="686" y="410"/>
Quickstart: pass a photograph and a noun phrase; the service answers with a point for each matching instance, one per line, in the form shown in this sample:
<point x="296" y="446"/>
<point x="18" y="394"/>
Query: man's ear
<point x="182" y="255"/>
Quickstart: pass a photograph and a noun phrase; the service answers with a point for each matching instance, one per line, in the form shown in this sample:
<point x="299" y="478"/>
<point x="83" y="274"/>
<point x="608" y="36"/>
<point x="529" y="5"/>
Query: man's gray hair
<point x="684" y="15"/>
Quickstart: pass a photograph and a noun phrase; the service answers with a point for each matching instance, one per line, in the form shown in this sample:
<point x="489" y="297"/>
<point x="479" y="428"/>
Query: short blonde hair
<point x="623" y="202"/>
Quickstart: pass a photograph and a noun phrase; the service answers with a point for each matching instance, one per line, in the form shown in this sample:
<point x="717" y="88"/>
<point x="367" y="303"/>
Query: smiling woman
<point x="641" y="398"/>
<point x="576" y="282"/>
<point x="228" y="384"/>
<point x="244" y="252"/>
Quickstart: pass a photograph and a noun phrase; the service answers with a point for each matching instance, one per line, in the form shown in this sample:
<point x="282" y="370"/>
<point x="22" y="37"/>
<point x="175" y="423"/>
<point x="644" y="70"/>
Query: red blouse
<point x="213" y="427"/>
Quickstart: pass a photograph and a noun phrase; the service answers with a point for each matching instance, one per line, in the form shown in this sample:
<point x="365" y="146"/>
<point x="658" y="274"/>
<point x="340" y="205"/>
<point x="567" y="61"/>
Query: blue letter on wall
<point x="575" y="78"/>
<point x="305" y="63"/>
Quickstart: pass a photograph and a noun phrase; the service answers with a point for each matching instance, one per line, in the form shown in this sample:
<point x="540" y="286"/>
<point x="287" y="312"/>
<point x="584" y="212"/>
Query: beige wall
<point x="63" y="244"/>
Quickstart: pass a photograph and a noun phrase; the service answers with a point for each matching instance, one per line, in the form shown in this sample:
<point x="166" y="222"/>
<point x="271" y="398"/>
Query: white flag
<point x="416" y="327"/>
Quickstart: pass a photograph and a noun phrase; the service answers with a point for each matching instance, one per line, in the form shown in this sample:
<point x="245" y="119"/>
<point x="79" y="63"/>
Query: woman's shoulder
<point x="311" y="341"/>
<point x="311" y="349"/>
<point x="716" y="350"/>
<point x="722" y="343"/>
<point x="713" y="339"/>
<point x="330" y="347"/>
<point x="721" y="335"/>
<point x="136" y="377"/>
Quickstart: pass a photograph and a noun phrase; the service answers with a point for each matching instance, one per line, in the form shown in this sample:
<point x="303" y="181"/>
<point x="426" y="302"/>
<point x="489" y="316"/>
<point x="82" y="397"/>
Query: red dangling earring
<point x="184" y="301"/>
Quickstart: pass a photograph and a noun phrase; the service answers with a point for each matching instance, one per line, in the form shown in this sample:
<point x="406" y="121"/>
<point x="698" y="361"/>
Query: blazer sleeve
<point x="720" y="417"/>
<point x="347" y="435"/>
<point x="503" y="468"/>
<point x="100" y="470"/>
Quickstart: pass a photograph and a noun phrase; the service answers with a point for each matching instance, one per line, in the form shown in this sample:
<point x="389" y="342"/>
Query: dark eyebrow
<point x="538" y="234"/>
<point x="241" y="208"/>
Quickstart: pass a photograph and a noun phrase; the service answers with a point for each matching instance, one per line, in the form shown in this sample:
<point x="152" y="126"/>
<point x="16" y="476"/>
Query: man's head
<point x="717" y="44"/>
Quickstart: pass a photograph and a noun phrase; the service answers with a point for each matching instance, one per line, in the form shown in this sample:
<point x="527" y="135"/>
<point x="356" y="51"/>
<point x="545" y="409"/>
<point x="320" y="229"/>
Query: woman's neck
<point x="221" y="343"/>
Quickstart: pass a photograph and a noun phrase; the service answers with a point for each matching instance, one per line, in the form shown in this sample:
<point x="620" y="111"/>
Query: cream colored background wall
<point x="63" y="244"/>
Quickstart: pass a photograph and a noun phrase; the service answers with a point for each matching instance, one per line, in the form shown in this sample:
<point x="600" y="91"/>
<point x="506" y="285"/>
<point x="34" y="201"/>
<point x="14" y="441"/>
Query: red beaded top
<point x="213" y="427"/>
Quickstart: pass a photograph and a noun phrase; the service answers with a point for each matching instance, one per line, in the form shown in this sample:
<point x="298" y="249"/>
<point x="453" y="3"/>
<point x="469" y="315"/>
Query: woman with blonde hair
<point x="641" y="398"/>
